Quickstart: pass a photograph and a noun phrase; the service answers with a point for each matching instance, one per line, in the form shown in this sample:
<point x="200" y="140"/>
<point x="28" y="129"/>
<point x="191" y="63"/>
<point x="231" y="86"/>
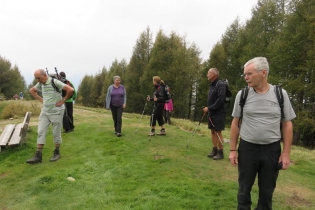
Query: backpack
<point x="244" y="94"/>
<point x="167" y="94"/>
<point x="63" y="92"/>
<point x="228" y="93"/>
<point x="54" y="86"/>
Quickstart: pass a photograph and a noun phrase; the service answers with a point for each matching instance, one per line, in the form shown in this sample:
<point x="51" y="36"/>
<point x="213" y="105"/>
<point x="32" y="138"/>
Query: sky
<point x="80" y="37"/>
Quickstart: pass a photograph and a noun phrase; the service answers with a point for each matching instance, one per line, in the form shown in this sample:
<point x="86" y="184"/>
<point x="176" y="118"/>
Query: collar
<point x="214" y="82"/>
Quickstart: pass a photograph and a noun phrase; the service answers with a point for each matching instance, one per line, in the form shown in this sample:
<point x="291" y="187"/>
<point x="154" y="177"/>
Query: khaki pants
<point x="45" y="119"/>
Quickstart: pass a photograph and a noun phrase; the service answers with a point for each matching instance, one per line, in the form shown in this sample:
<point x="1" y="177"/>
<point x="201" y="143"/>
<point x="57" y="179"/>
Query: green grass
<point x="133" y="172"/>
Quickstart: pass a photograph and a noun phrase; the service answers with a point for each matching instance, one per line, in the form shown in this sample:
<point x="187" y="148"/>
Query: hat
<point x="62" y="74"/>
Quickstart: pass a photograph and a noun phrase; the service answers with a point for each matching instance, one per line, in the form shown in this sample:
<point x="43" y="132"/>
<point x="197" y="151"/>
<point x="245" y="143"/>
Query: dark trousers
<point x="167" y="116"/>
<point x="157" y="116"/>
<point x="69" y="112"/>
<point x="117" y="117"/>
<point x="258" y="159"/>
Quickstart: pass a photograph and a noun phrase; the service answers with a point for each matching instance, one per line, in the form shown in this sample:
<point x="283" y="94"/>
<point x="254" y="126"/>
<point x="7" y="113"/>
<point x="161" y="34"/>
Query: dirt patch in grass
<point x="158" y="157"/>
<point x="3" y="175"/>
<point x="296" y="200"/>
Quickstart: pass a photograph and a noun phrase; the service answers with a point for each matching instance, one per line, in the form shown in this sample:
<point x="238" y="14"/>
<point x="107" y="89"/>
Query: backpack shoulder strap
<point x="279" y="95"/>
<point x="54" y="85"/>
<point x="242" y="102"/>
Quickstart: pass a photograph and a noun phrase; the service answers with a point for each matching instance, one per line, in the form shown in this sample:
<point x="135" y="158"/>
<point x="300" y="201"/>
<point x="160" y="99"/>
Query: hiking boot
<point x="162" y="132"/>
<point x="36" y="159"/>
<point x="219" y="155"/>
<point x="152" y="133"/>
<point x="213" y="153"/>
<point x="55" y="156"/>
<point x="118" y="134"/>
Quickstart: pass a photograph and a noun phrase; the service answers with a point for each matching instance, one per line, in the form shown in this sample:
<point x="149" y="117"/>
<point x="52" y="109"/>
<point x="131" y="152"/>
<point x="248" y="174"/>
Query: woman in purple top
<point x="116" y="101"/>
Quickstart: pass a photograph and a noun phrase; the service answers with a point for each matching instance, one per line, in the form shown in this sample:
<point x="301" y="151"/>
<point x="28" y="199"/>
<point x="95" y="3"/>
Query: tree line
<point x="281" y="30"/>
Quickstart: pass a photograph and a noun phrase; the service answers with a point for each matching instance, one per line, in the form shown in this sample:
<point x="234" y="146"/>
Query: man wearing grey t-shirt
<point x="259" y="149"/>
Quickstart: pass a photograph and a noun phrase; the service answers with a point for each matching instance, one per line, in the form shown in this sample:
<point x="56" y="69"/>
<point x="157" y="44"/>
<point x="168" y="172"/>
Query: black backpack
<point x="167" y="95"/>
<point x="228" y="93"/>
<point x="244" y="94"/>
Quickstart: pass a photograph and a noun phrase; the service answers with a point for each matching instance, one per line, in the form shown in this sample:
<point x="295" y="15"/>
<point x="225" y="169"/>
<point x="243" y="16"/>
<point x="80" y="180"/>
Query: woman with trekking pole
<point x="159" y="101"/>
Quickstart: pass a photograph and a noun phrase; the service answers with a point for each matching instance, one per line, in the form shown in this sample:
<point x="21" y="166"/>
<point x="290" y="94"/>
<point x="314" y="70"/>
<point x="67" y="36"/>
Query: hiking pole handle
<point x="57" y="73"/>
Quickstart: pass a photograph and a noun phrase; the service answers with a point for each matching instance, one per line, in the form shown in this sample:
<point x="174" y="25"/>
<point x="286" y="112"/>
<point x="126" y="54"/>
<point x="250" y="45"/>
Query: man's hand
<point x="233" y="158"/>
<point x="59" y="103"/>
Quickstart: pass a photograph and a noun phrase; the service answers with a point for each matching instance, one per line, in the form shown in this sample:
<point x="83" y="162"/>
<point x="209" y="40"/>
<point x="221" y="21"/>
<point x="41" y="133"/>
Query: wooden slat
<point x="25" y="126"/>
<point x="16" y="136"/>
<point x="6" y="134"/>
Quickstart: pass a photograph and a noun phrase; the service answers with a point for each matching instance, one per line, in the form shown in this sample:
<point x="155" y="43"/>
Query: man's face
<point x="253" y="77"/>
<point x="40" y="77"/>
<point x="210" y="75"/>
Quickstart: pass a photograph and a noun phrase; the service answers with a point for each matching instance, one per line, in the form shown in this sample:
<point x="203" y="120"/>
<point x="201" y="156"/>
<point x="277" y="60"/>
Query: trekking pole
<point x="152" y="116"/>
<point x="196" y="128"/>
<point x="57" y="73"/>
<point x="217" y="135"/>
<point x="141" y="117"/>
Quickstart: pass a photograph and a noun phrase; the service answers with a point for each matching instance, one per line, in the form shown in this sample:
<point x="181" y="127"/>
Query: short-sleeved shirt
<point x="117" y="96"/>
<point x="262" y="116"/>
<point x="50" y="95"/>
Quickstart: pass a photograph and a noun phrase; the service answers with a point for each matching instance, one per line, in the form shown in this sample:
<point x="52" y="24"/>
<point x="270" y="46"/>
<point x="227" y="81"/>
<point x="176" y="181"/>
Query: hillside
<point x="135" y="172"/>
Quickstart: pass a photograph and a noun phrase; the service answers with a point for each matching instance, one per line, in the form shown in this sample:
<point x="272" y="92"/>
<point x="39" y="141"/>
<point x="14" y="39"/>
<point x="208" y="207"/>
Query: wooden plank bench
<point x="15" y="134"/>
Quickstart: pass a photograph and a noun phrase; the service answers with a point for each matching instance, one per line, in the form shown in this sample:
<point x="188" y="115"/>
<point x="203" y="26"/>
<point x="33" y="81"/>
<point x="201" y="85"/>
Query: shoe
<point x="213" y="153"/>
<point x="162" y="132"/>
<point x="152" y="133"/>
<point x="36" y="159"/>
<point x="115" y="132"/>
<point x="219" y="155"/>
<point x="68" y="131"/>
<point x="118" y="134"/>
<point x="55" y="156"/>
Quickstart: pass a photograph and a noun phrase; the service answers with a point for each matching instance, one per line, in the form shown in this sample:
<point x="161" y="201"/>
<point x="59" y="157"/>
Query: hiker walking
<point x="216" y="113"/>
<point x="68" y="125"/>
<point x="258" y="126"/>
<point x="159" y="101"/>
<point x="116" y="99"/>
<point x="51" y="113"/>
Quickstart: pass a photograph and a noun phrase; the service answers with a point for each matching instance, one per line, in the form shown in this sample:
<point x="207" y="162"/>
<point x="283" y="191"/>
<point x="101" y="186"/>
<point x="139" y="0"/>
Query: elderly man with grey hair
<point x="51" y="113"/>
<point x="259" y="149"/>
<point x="116" y="98"/>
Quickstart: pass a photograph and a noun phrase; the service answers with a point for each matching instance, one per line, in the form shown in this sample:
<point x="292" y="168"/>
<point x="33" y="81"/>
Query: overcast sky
<point x="80" y="37"/>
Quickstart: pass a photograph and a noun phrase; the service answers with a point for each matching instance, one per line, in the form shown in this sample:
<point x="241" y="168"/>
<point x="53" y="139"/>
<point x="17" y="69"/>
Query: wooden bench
<point x="15" y="134"/>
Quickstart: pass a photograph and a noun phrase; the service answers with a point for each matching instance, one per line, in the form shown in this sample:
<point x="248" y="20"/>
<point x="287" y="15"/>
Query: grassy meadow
<point x="135" y="171"/>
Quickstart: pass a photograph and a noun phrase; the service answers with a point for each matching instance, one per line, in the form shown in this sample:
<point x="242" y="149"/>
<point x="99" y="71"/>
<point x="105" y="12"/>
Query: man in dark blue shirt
<point x="216" y="113"/>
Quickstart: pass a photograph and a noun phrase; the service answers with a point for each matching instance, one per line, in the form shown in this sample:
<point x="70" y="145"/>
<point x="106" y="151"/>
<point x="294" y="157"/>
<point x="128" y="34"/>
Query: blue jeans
<point x="258" y="159"/>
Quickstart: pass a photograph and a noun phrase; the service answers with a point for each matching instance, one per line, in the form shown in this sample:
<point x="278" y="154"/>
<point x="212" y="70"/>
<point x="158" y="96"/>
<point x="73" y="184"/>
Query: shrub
<point x="15" y="110"/>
